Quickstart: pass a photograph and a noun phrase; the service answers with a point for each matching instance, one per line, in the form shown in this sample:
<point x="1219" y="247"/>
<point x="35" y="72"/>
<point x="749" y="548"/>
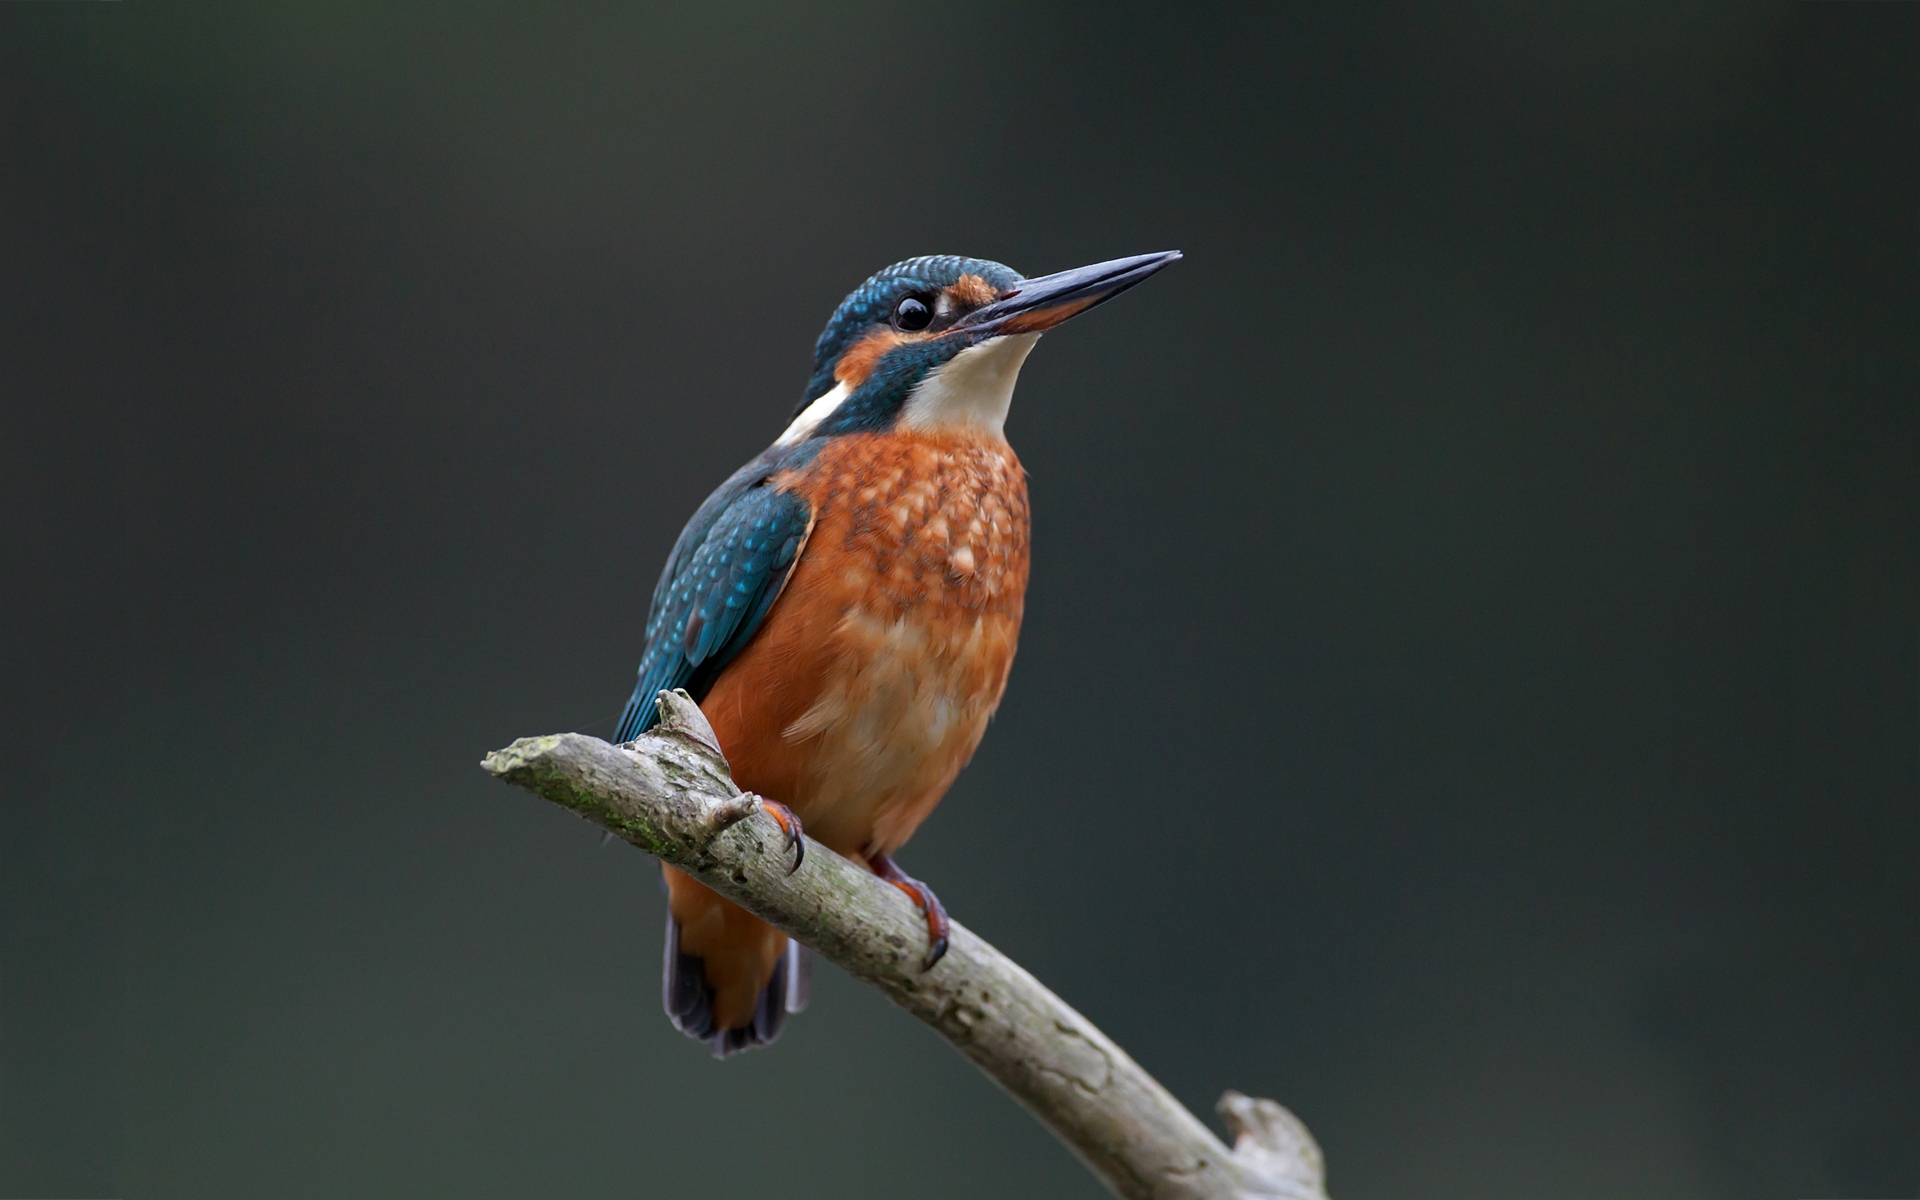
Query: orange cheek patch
<point x="858" y="360"/>
<point x="971" y="291"/>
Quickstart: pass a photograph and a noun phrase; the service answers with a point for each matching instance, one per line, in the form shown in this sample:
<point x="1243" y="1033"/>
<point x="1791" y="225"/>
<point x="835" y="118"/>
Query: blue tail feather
<point x="689" y="1001"/>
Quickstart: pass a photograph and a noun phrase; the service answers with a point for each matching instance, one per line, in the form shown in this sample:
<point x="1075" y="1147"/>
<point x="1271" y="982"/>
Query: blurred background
<point x="1471" y="681"/>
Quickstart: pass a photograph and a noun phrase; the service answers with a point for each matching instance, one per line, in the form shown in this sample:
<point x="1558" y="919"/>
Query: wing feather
<point x="726" y="570"/>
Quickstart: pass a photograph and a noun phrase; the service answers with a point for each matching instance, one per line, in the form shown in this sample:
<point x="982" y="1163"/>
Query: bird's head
<point x="936" y="343"/>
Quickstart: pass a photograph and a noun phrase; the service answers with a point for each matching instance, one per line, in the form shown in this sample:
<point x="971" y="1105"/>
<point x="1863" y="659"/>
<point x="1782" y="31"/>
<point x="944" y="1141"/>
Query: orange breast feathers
<point x="871" y="682"/>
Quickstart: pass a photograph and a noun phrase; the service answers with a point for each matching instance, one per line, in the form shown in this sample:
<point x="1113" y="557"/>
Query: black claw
<point x="934" y="955"/>
<point x="792" y="837"/>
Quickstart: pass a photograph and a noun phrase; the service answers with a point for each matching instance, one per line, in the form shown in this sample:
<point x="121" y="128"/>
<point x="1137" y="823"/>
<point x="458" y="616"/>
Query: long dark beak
<point x="1034" y="305"/>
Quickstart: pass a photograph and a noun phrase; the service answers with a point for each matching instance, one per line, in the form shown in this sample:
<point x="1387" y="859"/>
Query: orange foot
<point x="922" y="896"/>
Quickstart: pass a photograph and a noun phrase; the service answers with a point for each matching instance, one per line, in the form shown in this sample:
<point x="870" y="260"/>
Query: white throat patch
<point x="971" y="390"/>
<point x="811" y="416"/>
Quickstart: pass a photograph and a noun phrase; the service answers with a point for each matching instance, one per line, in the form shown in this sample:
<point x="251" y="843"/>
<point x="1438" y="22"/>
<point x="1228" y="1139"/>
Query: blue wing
<point x="723" y="575"/>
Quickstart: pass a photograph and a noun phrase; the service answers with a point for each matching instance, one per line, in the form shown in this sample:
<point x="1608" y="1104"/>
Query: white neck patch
<point x="971" y="390"/>
<point x="811" y="416"/>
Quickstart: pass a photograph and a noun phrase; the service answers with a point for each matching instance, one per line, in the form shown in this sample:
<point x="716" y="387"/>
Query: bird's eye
<point x="912" y="315"/>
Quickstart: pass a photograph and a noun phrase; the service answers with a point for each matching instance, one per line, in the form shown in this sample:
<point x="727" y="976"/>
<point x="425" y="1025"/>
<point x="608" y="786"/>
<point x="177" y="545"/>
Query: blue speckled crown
<point x="873" y="301"/>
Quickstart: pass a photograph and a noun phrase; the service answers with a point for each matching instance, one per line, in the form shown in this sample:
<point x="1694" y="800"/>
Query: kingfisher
<point x="845" y="607"/>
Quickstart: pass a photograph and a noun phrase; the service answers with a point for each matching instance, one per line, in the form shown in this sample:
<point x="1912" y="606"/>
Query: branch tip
<point x="502" y="764"/>
<point x="725" y="814"/>
<point x="1270" y="1140"/>
<point x="680" y="715"/>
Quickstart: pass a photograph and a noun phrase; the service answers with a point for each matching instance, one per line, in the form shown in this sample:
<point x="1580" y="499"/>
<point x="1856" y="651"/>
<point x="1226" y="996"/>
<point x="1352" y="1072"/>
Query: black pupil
<point x="912" y="314"/>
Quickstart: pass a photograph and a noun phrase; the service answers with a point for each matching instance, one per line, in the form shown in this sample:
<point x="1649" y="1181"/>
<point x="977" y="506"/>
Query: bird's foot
<point x="923" y="898"/>
<point x="790" y="826"/>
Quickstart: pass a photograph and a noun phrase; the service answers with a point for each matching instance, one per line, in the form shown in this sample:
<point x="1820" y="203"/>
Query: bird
<point x="846" y="606"/>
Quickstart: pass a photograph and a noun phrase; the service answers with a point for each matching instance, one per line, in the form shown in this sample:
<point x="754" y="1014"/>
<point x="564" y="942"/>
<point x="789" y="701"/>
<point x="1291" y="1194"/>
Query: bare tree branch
<point x="670" y="794"/>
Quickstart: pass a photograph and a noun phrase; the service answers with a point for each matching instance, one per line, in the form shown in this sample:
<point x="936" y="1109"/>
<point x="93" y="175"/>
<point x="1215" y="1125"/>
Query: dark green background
<point x="1470" y="685"/>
